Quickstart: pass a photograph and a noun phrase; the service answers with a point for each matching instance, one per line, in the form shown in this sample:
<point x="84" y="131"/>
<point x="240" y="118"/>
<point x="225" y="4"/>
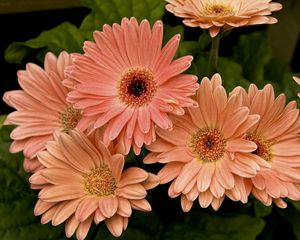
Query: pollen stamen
<point x="263" y="146"/>
<point x="208" y="144"/>
<point x="100" y="182"/>
<point x="137" y="86"/>
<point x="69" y="118"/>
<point x="218" y="9"/>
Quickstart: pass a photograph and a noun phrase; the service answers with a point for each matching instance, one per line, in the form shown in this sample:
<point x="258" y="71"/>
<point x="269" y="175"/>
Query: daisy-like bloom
<point x="125" y="79"/>
<point x="84" y="182"/>
<point x="277" y="138"/>
<point x="297" y="80"/>
<point x="216" y="14"/>
<point x="41" y="108"/>
<point x="206" y="154"/>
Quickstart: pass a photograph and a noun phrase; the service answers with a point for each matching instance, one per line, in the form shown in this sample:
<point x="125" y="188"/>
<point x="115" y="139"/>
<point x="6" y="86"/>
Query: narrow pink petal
<point x="141" y="205"/>
<point x="150" y="158"/>
<point x="193" y="193"/>
<point x="169" y="172"/>
<point x="98" y="216"/>
<point x="64" y="211"/>
<point x="42" y="207"/>
<point x="216" y="188"/>
<point x="85" y="208"/>
<point x="133" y="191"/>
<point x="118" y="123"/>
<point x="189" y="171"/>
<point x="108" y="206"/>
<point x="61" y="193"/>
<point x="59" y="176"/>
<point x="176" y="154"/>
<point x="205" y="198"/>
<point x="124" y="207"/>
<point x="83" y="228"/>
<point x="280" y="203"/>
<point x="151" y="182"/>
<point x="115" y="225"/>
<point x="224" y="175"/>
<point x="71" y="226"/>
<point x="240" y="145"/>
<point x="167" y="53"/>
<point x="186" y="204"/>
<point x="47" y="216"/>
<point x="144" y="119"/>
<point x="132" y="175"/>
<point x="117" y="164"/>
<point x="216" y="203"/>
<point x="204" y="177"/>
<point x="76" y="156"/>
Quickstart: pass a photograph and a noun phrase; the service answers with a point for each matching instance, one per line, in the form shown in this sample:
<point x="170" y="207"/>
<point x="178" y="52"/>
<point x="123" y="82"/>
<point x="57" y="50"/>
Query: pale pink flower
<point x="84" y="182"/>
<point x="276" y="135"/>
<point x="297" y="80"/>
<point x="206" y="154"/>
<point x="41" y="107"/>
<point x="127" y="81"/>
<point x="216" y="14"/>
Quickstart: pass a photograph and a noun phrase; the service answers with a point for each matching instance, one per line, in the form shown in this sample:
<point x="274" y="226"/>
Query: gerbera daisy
<point x="297" y="80"/>
<point x="276" y="135"/>
<point x="205" y="152"/>
<point x="125" y="80"/>
<point x="216" y="14"/>
<point x="83" y="182"/>
<point x="41" y="107"/>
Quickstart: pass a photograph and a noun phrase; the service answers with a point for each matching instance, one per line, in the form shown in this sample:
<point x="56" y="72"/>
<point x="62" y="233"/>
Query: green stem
<point x="214" y="53"/>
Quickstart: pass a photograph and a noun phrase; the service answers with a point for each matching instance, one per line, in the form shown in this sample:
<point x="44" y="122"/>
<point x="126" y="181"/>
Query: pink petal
<point x="133" y="191"/>
<point x="85" y="208"/>
<point x="132" y="175"/>
<point x="108" y="206"/>
<point x="124" y="208"/>
<point x="141" y="205"/>
<point x="115" y="225"/>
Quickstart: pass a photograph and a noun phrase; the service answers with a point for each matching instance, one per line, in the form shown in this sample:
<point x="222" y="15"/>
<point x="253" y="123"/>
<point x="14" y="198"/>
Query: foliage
<point x="17" y="200"/>
<point x="255" y="58"/>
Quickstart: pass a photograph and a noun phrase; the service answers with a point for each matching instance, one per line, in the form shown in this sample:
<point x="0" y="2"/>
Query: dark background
<point x="24" y="26"/>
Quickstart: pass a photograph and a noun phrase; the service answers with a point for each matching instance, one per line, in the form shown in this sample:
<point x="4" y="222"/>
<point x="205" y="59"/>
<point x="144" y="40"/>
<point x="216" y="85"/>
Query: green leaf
<point x="296" y="204"/>
<point x="142" y="226"/>
<point x="63" y="37"/>
<point x="17" y="200"/>
<point x="253" y="53"/>
<point x="294" y="218"/>
<point x="262" y="210"/>
<point x="286" y="31"/>
<point x="231" y="73"/>
<point x="214" y="227"/>
<point x="112" y="11"/>
<point x="170" y="31"/>
<point x="2" y="119"/>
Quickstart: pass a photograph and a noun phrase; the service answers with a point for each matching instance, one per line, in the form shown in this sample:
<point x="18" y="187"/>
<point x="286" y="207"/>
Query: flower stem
<point x="214" y="53"/>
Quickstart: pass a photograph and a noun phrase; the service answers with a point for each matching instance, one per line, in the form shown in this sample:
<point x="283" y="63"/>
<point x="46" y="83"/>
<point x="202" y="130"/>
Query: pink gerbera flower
<point x="125" y="80"/>
<point x="297" y="80"/>
<point x="41" y="108"/>
<point x="206" y="153"/>
<point x="277" y="138"/>
<point x="216" y="14"/>
<point x="83" y="182"/>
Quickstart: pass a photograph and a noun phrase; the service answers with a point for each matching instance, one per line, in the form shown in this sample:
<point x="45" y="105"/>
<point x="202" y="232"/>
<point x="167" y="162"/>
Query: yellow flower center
<point x="137" y="86"/>
<point x="208" y="144"/>
<point x="218" y="10"/>
<point x="100" y="182"/>
<point x="263" y="146"/>
<point x="69" y="118"/>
